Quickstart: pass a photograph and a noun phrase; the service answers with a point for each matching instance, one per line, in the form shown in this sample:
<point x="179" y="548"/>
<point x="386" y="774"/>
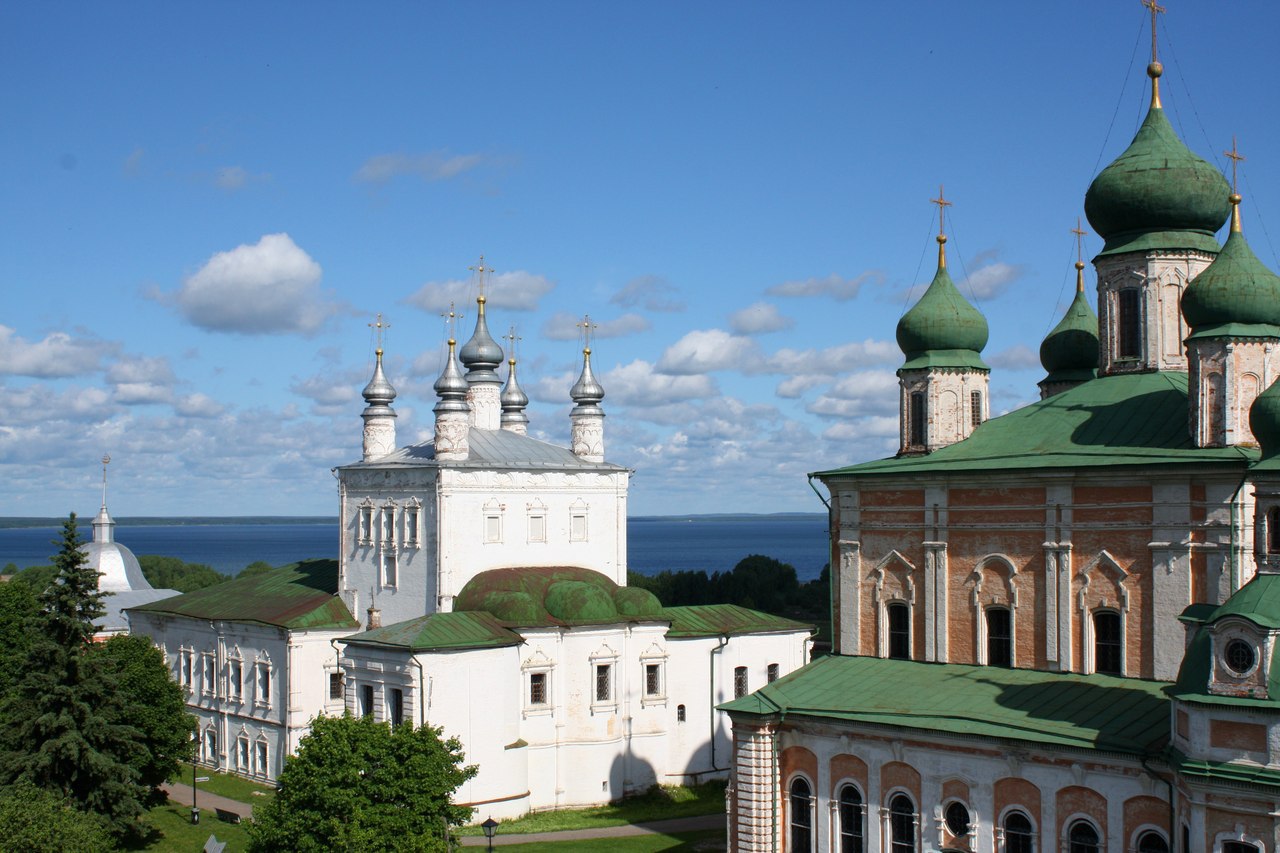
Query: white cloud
<point x="512" y="291"/>
<point x="837" y="287"/>
<point x="563" y="326"/>
<point x="830" y="361"/>
<point x="141" y="369"/>
<point x="236" y="177"/>
<point x="431" y="166"/>
<point x="1017" y="357"/>
<point x="861" y="429"/>
<point x="330" y="394"/>
<point x="264" y="288"/>
<point x="795" y="386"/>
<point x="705" y="350"/>
<point x="989" y="281"/>
<point x="198" y="406"/>
<point x="57" y="355"/>
<point x="650" y="292"/>
<point x="638" y="384"/>
<point x="758" y="319"/>
<point x="142" y="393"/>
<point x="868" y="392"/>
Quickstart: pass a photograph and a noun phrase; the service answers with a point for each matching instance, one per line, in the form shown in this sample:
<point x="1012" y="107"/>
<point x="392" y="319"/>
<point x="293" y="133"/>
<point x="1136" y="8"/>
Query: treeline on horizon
<point x="161" y="572"/>
<point x="757" y="582"/>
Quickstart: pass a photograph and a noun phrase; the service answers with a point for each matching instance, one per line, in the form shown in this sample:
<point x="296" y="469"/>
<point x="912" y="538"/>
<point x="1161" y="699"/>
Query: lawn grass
<point x="174" y="832"/>
<point x="225" y="784"/>
<point x="705" y="841"/>
<point x="659" y="803"/>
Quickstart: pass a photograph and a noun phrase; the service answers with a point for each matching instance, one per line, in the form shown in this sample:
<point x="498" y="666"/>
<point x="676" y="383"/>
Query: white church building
<point x="480" y="587"/>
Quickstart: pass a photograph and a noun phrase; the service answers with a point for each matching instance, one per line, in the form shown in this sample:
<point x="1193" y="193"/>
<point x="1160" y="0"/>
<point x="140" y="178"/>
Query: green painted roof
<point x="710" y="620"/>
<point x="1264" y="421"/>
<point x="1157" y="195"/>
<point x="1257" y="601"/>
<point x="1126" y="715"/>
<point x="1235" y="290"/>
<point x="1070" y="351"/>
<point x="943" y="324"/>
<point x="555" y="595"/>
<point x="1223" y="771"/>
<point x="1131" y="419"/>
<point x="441" y="632"/>
<point x="299" y="596"/>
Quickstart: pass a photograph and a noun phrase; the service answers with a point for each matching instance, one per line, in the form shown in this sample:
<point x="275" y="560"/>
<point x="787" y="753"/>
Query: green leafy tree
<point x="18" y="606"/>
<point x="152" y="702"/>
<point x="357" y="785"/>
<point x="36" y="578"/>
<point x="59" y="726"/>
<point x="257" y="567"/>
<point x="32" y="818"/>
<point x="172" y="573"/>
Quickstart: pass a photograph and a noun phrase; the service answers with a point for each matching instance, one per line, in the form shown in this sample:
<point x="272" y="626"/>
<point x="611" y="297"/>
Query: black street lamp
<point x="490" y="826"/>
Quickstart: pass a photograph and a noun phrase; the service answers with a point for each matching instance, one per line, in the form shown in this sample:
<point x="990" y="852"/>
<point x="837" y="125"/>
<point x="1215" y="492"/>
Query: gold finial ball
<point x="106" y="459"/>
<point x="1234" y="198"/>
<point x="1154" y="70"/>
<point x="480" y="299"/>
<point x="942" y="238"/>
<point x="1079" y="265"/>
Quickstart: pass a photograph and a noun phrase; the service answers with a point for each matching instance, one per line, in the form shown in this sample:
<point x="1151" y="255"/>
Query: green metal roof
<point x="1257" y="601"/>
<point x="300" y="596"/>
<point x="1222" y="771"/>
<point x="943" y="323"/>
<point x="441" y="632"/>
<point x="556" y="595"/>
<point x="1126" y="715"/>
<point x="1131" y="419"/>
<point x="1235" y="290"/>
<point x="1070" y="351"/>
<point x="710" y="620"/>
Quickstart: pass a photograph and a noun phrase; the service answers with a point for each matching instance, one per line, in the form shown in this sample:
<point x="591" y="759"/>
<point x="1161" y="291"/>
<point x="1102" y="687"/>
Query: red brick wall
<point x="1074" y="801"/>
<point x="845" y="767"/>
<point x="1139" y="811"/>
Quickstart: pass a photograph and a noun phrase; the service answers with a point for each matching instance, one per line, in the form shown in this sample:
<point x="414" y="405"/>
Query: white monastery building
<point x="1056" y="630"/>
<point x="480" y="587"/>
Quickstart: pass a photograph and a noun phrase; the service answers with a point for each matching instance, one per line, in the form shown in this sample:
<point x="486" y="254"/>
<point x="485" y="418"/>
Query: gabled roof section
<point x="1125" y="715"/>
<point x="711" y="620"/>
<point x="440" y="632"/>
<point x="299" y="596"/>
<point x="493" y="448"/>
<point x="1131" y="419"/>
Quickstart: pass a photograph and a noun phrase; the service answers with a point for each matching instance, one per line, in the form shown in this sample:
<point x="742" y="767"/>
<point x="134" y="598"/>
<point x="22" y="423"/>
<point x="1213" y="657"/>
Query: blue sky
<point x="206" y="204"/>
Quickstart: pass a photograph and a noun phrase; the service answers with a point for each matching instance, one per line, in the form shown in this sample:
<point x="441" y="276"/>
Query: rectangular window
<point x="1108" y="648"/>
<point x="411" y="527"/>
<point x="335" y="685"/>
<point x="208" y="679"/>
<point x="999" y="637"/>
<point x="210" y="746"/>
<point x="1129" y="327"/>
<point x="260" y="758"/>
<point x="915" y="418"/>
<point x="242" y="755"/>
<point x="739" y="682"/>
<point x="366" y="700"/>
<point x="578" y="527"/>
<point x="899" y="616"/>
<point x="389" y="526"/>
<point x="652" y="679"/>
<point x="235" y="680"/>
<point x="537" y="528"/>
<point x="364" y="530"/>
<point x="186" y="660"/>
<point x="390" y="567"/>
<point x="773" y="673"/>
<point x="395" y="707"/>
<point x="604" y="682"/>
<point x="975" y="408"/>
<point x="537" y="688"/>
<point x="492" y="528"/>
<point x="264" y="683"/>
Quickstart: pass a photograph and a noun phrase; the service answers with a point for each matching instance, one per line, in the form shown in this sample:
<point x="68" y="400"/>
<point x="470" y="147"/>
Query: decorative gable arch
<point x="893" y="578"/>
<point x="1101" y="582"/>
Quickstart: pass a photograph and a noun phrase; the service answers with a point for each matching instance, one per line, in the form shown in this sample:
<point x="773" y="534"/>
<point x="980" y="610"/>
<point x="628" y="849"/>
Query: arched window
<point x="902" y="825"/>
<point x="1108" y="648"/>
<point x="801" y="817"/>
<point x="1239" y="847"/>
<point x="1129" y="329"/>
<point x="1083" y="838"/>
<point x="915" y="418"/>
<point x="999" y="637"/>
<point x="899" y="618"/>
<point x="1019" y="836"/>
<point x="851" y="835"/>
<point x="1273" y="530"/>
<point x="1152" y="842"/>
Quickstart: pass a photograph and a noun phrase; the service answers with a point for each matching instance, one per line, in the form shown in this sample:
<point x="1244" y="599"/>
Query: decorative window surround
<point x="413" y="523"/>
<point x="364" y="522"/>
<point x="653" y="668"/>
<point x="604" y="691"/>
<point x="536" y="672"/>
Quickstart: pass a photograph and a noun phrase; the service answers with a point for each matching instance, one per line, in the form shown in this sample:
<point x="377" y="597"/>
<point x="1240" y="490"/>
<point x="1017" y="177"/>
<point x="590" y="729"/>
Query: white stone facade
<point x="953" y="403"/>
<point x="1226" y="376"/>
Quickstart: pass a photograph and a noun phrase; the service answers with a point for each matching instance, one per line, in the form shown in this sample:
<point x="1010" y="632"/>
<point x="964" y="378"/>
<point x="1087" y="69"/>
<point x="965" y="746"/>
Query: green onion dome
<point x="1235" y="295"/>
<point x="1264" y="420"/>
<point x="1070" y="351"/>
<point x="942" y="329"/>
<point x="1157" y="194"/>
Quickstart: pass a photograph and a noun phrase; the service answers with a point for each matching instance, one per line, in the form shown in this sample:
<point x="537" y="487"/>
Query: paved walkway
<point x="207" y="801"/>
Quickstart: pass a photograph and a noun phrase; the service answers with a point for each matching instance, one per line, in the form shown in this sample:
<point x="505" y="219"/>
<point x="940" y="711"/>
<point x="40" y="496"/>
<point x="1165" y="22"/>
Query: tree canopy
<point x="173" y="573"/>
<point x="357" y="785"/>
<point x="757" y="581"/>
<point x="32" y="818"/>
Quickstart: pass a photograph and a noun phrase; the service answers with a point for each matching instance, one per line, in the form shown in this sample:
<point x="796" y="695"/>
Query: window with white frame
<point x="850" y="813"/>
<point x="772" y="673"/>
<point x="186" y="666"/>
<point x="262" y="681"/>
<point x="235" y="678"/>
<point x="261" y="752"/>
<point x="1083" y="837"/>
<point x="395" y="706"/>
<point x="1151" y="842"/>
<point x="242" y="753"/>
<point x="603" y="672"/>
<point x="366" y="700"/>
<point x="1108" y="643"/>
<point x="604" y="682"/>
<point x="539" y="695"/>
<point x="492" y="523"/>
<point x="412" y="523"/>
<point x="335" y="686"/>
<point x="210" y="745"/>
<point x="740" y="682"/>
<point x="388" y="526"/>
<point x="390" y="567"/>
<point x="364" y="523"/>
<point x="537" y="522"/>
<point x="208" y="674"/>
<point x="578" y="522"/>
<point x="1019" y="834"/>
<point x="903" y="822"/>
<point x="801" y="817"/>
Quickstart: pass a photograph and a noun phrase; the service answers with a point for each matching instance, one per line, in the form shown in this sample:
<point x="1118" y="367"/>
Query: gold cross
<point x="587" y="328"/>
<point x="1156" y="9"/>
<point x="106" y="460"/>
<point x="379" y="325"/>
<point x="480" y="269"/>
<point x="451" y="318"/>
<point x="513" y="337"/>
<point x="1236" y="159"/>
<point x="942" y="204"/>
<point x="1079" y="232"/>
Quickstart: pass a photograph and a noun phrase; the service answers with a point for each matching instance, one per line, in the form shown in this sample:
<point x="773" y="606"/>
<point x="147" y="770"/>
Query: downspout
<point x="1174" y="836"/>
<point x="711" y="707"/>
<point x="337" y="666"/>
<point x="286" y="706"/>
<point x="422" y="692"/>
<point x="776" y="783"/>
<point x="1235" y="518"/>
<point x="831" y="567"/>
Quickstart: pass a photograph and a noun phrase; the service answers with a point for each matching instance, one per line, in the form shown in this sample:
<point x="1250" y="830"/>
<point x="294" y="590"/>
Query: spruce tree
<point x="57" y="728"/>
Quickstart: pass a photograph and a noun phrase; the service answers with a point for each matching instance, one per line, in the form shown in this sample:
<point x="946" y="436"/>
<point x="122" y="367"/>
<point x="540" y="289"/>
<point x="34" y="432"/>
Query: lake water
<point x="709" y="543"/>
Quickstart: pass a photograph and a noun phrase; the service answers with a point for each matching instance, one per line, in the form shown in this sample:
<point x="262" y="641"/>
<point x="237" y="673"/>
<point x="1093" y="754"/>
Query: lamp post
<point x="195" y="810"/>
<point x="490" y="826"/>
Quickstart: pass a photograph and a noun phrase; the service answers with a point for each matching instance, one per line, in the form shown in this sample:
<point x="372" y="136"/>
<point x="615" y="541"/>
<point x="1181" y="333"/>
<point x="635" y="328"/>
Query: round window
<point x="957" y="817"/>
<point x="1239" y="656"/>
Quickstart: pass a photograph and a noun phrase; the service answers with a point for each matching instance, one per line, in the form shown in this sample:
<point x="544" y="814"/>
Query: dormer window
<point x="1240" y="657"/>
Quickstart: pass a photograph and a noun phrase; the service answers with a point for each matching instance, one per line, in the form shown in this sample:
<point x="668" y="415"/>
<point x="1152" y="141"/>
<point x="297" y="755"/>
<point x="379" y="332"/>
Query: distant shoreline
<point x="13" y="522"/>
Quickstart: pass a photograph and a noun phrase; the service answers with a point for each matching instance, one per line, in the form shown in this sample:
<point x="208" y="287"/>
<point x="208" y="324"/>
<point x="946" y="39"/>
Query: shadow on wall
<point x="629" y="774"/>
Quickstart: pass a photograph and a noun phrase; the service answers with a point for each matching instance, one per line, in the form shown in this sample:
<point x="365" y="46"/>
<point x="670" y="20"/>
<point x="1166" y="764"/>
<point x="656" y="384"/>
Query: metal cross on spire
<point x="1079" y="232"/>
<point x="379" y="326"/>
<point x="1156" y="9"/>
<point x="587" y="328"/>
<point x="1236" y="159"/>
<point x="480" y="269"/>
<point x="106" y="460"/>
<point x="451" y="319"/>
<point x="513" y="337"/>
<point x="942" y="204"/>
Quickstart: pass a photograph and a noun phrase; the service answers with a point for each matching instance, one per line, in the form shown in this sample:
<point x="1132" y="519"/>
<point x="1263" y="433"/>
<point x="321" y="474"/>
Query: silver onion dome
<point x="481" y="355"/>
<point x="587" y="391"/>
<point x="451" y="387"/>
<point x="513" y="399"/>
<point x="379" y="393"/>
